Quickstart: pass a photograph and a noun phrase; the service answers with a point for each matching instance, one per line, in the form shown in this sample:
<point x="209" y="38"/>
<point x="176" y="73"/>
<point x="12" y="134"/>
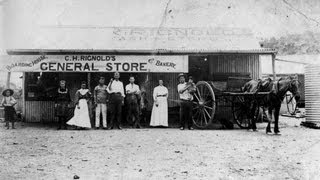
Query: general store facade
<point x="149" y="54"/>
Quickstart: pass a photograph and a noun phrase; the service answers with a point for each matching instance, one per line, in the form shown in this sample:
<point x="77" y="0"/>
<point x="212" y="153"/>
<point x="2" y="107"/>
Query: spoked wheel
<point x="241" y="110"/>
<point x="291" y="104"/>
<point x="204" y="105"/>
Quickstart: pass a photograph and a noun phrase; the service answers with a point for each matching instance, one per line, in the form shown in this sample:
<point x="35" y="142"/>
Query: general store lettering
<point x="52" y="66"/>
<point x="77" y="66"/>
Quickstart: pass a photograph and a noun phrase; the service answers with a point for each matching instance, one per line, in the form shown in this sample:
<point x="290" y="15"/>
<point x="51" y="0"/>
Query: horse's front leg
<point x="269" y="117"/>
<point x="276" y="120"/>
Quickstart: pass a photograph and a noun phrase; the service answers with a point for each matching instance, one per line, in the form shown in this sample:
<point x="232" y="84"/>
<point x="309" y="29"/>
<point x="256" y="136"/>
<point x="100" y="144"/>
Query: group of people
<point x="81" y="117"/>
<point x="114" y="94"/>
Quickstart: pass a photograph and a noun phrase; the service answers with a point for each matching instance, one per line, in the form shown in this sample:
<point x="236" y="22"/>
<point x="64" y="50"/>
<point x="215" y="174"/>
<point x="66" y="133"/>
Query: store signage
<point x="94" y="63"/>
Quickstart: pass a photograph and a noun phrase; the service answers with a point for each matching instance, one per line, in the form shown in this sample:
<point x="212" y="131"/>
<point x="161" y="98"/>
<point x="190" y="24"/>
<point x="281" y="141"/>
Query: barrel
<point x="312" y="93"/>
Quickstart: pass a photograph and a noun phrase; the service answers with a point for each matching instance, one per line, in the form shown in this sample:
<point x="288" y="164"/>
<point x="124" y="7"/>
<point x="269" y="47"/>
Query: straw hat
<point x="181" y="74"/>
<point x="5" y="91"/>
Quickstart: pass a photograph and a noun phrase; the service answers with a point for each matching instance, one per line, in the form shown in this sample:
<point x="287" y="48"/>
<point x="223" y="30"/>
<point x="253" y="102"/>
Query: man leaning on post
<point x="116" y="90"/>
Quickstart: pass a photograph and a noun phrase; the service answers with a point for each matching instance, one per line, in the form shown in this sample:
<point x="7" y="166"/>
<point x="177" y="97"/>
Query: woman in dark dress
<point x="62" y="102"/>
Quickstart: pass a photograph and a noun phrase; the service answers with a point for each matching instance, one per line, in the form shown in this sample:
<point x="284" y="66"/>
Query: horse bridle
<point x="290" y="85"/>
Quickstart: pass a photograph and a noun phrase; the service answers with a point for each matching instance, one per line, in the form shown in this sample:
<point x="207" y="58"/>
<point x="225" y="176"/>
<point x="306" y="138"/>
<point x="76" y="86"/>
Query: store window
<point x="40" y="86"/>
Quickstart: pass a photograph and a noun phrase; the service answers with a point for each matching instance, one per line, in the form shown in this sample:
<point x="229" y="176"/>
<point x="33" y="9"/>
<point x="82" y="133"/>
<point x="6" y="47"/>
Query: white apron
<point x="81" y="116"/>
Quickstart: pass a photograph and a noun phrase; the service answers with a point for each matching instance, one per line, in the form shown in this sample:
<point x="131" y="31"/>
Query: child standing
<point x="8" y="102"/>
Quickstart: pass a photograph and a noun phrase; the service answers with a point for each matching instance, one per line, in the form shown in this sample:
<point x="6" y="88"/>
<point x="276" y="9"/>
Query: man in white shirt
<point x="186" y="97"/>
<point x="133" y="93"/>
<point x="116" y="91"/>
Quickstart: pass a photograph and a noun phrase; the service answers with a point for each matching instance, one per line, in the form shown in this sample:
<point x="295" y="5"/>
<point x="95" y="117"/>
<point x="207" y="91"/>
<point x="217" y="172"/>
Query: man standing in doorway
<point x="133" y="92"/>
<point x="116" y="90"/>
<point x="185" y="103"/>
<point x="100" y="101"/>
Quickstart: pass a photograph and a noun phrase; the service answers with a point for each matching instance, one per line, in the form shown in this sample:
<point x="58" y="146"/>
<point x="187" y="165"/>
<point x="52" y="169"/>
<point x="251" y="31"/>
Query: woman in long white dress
<point x="159" y="116"/>
<point x="81" y="116"/>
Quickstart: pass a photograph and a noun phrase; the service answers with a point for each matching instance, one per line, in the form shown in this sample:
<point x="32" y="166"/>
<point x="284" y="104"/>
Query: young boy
<point x="100" y="100"/>
<point x="8" y="103"/>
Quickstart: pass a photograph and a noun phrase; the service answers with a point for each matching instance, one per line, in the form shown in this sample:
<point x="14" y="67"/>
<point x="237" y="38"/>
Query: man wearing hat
<point x="186" y="97"/>
<point x="116" y="90"/>
<point x="8" y="103"/>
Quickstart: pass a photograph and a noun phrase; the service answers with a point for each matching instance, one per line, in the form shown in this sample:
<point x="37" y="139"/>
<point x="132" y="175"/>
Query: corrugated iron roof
<point x="142" y="39"/>
<point x="139" y="51"/>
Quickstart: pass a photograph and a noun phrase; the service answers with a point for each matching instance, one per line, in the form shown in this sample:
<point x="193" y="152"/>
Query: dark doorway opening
<point x="199" y="68"/>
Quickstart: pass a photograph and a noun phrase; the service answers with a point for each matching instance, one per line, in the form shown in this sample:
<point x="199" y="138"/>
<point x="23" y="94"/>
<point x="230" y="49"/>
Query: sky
<point x="24" y="18"/>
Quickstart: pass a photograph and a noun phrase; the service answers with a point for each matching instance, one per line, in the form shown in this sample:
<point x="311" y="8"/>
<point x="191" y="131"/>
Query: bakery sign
<point x="94" y="63"/>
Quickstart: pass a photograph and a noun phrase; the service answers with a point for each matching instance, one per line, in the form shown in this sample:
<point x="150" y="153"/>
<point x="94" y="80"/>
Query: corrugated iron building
<point x="212" y="54"/>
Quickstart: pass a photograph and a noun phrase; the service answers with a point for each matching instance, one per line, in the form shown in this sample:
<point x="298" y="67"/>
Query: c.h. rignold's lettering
<point x="52" y="66"/>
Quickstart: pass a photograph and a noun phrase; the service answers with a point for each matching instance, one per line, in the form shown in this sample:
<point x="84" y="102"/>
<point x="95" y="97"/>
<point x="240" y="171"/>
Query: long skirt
<point x="81" y="115"/>
<point x="62" y="109"/>
<point x="159" y="116"/>
<point x="9" y="113"/>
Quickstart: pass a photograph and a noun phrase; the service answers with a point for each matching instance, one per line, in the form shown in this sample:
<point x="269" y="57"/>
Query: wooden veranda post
<point x="274" y="66"/>
<point x="8" y="79"/>
<point x="90" y="104"/>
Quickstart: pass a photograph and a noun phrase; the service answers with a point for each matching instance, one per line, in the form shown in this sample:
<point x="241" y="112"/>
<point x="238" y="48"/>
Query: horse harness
<point x="289" y="87"/>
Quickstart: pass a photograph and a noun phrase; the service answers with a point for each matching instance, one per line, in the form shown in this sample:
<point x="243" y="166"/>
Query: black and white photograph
<point x="160" y="89"/>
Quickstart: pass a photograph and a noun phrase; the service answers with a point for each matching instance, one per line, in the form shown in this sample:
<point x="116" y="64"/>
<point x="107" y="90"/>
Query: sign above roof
<point x="139" y="38"/>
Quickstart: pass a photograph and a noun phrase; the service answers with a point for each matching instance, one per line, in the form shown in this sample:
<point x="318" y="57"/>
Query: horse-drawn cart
<point x="210" y="96"/>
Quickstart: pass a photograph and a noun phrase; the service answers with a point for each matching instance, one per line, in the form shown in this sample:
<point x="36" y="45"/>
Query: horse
<point x="277" y="91"/>
<point x="133" y="109"/>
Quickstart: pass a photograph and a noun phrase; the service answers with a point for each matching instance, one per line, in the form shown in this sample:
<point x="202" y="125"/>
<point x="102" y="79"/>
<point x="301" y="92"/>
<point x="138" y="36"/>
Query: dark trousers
<point x="9" y="113"/>
<point x="116" y="109"/>
<point x="62" y="122"/>
<point x="186" y="113"/>
<point x="133" y="111"/>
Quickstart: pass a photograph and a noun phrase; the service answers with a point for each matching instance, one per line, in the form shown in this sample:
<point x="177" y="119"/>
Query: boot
<point x="276" y="130"/>
<point x="13" y="125"/>
<point x="137" y="123"/>
<point x="60" y="123"/>
<point x="268" y="129"/>
<point x="65" y="127"/>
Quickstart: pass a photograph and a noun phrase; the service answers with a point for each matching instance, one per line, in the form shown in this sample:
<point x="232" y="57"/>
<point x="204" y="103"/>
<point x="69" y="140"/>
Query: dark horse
<point x="272" y="101"/>
<point x="133" y="109"/>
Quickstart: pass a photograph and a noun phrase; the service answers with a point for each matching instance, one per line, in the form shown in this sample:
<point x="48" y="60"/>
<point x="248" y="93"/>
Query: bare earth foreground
<point x="41" y="152"/>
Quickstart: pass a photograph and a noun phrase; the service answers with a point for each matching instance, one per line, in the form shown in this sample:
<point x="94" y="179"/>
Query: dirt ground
<point x="41" y="152"/>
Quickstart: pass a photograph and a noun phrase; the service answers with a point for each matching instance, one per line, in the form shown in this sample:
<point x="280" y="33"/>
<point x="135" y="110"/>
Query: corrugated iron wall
<point x="234" y="63"/>
<point x="40" y="111"/>
<point x="237" y="63"/>
<point x="312" y="84"/>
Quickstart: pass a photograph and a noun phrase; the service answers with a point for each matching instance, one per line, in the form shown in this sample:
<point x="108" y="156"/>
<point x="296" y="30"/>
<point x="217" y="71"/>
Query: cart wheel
<point x="291" y="104"/>
<point x="240" y="110"/>
<point x="204" y="105"/>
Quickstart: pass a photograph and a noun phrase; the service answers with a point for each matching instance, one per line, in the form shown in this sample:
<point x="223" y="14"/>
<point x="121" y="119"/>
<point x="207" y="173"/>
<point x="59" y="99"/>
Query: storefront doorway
<point x="199" y="68"/>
